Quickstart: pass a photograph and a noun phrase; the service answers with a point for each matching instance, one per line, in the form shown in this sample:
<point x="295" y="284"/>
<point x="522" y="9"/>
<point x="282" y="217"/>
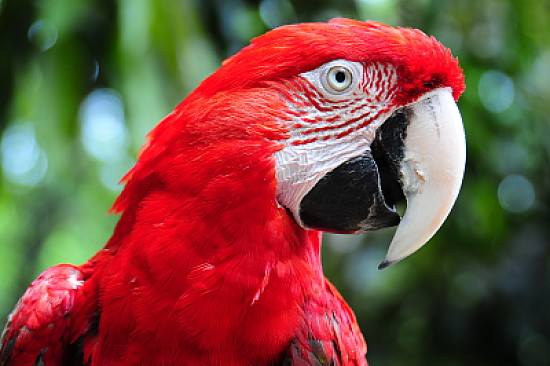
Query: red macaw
<point x="216" y="257"/>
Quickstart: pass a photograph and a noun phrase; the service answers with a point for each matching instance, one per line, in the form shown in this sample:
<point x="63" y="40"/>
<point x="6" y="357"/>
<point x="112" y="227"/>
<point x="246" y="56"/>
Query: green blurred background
<point x="82" y="82"/>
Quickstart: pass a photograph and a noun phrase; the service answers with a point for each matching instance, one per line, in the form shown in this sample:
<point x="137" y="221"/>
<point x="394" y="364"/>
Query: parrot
<point x="216" y="257"/>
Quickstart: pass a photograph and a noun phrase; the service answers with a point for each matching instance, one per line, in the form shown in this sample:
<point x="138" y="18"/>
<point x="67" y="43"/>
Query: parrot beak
<point x="417" y="156"/>
<point x="430" y="170"/>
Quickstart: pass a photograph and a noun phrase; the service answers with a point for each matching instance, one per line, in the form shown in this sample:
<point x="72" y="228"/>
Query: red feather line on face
<point x="341" y="118"/>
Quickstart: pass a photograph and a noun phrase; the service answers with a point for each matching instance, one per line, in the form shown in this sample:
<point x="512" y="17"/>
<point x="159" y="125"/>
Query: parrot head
<point x="366" y="117"/>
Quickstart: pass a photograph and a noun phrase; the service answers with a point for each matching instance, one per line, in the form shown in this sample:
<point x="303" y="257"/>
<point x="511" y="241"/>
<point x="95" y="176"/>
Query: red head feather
<point x="422" y="62"/>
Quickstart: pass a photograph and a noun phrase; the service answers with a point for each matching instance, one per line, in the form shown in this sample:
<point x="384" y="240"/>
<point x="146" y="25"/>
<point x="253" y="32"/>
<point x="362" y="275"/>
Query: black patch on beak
<point x="360" y="194"/>
<point x="348" y="199"/>
<point x="388" y="150"/>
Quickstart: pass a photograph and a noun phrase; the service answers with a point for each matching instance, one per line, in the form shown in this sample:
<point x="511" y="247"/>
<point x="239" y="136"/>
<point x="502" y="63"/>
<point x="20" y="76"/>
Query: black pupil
<point x="340" y="76"/>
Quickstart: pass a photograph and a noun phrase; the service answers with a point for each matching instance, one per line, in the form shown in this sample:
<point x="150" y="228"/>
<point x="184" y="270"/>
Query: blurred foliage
<point x="82" y="82"/>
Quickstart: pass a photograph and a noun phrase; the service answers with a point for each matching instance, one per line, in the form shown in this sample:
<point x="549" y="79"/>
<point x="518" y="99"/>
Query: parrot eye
<point x="339" y="78"/>
<point x="336" y="79"/>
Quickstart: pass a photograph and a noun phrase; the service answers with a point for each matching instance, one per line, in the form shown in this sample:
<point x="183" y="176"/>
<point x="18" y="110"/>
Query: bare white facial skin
<point x="363" y="97"/>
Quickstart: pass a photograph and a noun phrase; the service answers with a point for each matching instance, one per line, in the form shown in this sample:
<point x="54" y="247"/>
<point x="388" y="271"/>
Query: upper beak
<point x="430" y="171"/>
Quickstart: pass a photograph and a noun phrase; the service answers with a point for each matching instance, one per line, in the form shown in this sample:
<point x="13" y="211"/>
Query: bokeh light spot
<point x="496" y="91"/>
<point x="275" y="13"/>
<point x="538" y="80"/>
<point x="95" y="71"/>
<point x="23" y="161"/>
<point x="43" y="34"/>
<point x="516" y="193"/>
<point x="103" y="131"/>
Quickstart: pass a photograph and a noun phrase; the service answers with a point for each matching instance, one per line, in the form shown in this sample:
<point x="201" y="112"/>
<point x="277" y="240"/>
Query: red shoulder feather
<point x="38" y="331"/>
<point x="328" y="334"/>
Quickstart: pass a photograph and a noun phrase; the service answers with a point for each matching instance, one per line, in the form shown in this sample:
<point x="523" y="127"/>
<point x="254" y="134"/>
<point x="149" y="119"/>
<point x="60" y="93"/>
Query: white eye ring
<point x="339" y="78"/>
